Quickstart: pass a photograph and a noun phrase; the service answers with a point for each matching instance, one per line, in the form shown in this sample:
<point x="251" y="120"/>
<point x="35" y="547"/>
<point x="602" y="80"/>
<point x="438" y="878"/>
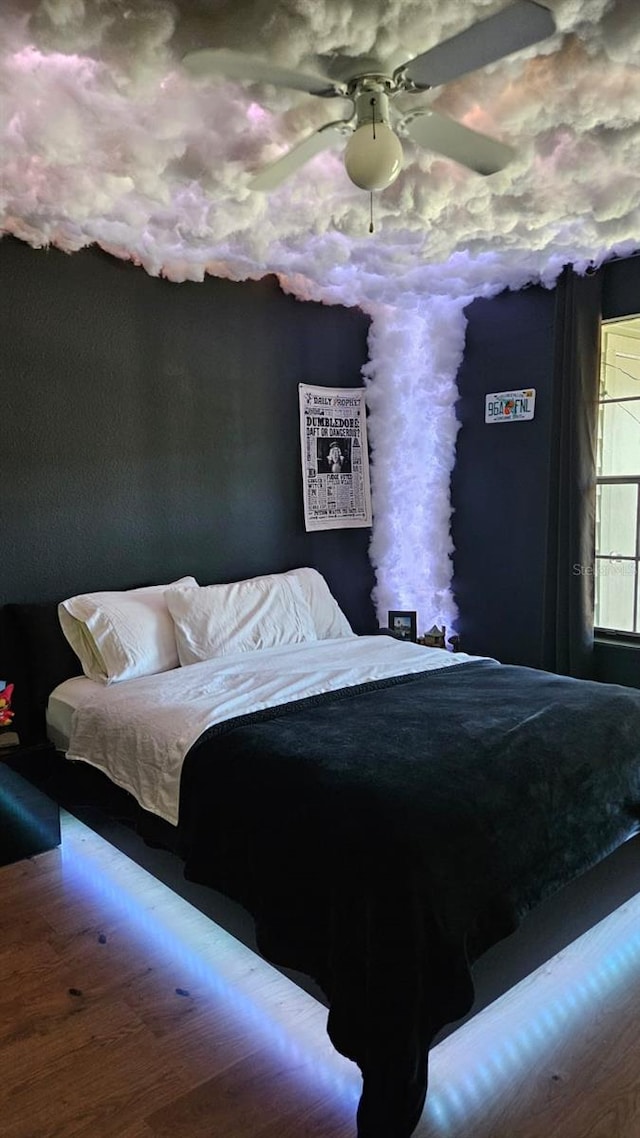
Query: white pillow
<point x="121" y="635"/>
<point x="328" y="618"/>
<point x="217" y="620"/>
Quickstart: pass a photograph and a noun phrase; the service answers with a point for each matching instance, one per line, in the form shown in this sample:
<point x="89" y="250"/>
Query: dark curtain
<point x="569" y="591"/>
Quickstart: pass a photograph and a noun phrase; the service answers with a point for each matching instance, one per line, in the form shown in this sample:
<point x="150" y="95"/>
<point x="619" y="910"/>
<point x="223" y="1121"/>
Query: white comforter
<point x="139" y="731"/>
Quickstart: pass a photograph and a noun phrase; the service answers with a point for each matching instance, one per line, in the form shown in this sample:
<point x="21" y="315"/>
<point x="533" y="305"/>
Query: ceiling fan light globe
<point x="373" y="161"/>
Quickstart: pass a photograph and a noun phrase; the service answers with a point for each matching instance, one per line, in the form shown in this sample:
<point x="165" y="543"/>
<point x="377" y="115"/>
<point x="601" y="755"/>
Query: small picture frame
<point x="404" y="625"/>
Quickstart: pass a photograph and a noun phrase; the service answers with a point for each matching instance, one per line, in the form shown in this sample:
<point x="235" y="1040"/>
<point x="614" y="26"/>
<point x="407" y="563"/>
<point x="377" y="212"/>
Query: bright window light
<point x="617" y="576"/>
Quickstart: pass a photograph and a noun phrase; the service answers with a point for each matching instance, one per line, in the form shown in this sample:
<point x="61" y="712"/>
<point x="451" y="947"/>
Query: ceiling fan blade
<point x="521" y="24"/>
<point x="453" y="140"/>
<point x="235" y="65"/>
<point x="324" y="139"/>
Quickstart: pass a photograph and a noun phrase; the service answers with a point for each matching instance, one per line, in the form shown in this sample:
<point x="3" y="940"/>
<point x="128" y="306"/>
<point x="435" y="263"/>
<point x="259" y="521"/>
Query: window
<point x="617" y="576"/>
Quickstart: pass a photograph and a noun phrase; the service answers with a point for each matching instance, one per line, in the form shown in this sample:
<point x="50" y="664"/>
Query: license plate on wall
<point x="509" y="406"/>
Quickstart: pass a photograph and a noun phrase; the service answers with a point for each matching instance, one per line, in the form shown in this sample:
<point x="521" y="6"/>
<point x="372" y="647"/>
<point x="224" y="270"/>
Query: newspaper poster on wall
<point x="335" y="457"/>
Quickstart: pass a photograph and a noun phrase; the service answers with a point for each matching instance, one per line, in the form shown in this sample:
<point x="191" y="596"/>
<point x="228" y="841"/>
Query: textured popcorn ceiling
<point x="104" y="138"/>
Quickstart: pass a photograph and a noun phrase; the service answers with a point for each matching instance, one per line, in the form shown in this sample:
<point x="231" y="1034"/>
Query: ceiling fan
<point x="373" y="154"/>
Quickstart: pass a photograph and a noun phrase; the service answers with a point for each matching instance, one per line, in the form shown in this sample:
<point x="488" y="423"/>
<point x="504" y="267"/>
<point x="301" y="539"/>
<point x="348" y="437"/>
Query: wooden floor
<point x="124" y="1013"/>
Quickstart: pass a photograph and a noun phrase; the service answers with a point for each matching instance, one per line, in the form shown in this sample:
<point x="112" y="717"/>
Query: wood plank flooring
<point x="125" y="1013"/>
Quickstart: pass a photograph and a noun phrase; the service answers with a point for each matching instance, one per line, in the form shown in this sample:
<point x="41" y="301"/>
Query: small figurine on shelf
<point x="434" y="638"/>
<point x="437" y="638"/>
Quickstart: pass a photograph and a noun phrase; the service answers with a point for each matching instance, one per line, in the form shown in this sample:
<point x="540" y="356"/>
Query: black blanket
<point x="384" y="836"/>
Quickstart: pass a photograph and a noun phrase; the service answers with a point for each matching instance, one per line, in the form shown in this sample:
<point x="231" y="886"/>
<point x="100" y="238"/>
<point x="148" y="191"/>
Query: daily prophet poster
<point x="335" y="457"/>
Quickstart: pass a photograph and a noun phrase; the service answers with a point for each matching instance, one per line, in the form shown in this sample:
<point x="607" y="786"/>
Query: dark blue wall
<point x="621" y="289"/>
<point x="150" y="429"/>
<point x="500" y="484"/>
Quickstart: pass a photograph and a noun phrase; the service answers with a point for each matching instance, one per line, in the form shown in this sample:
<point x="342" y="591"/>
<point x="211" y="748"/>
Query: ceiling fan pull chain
<point x="371" y="211"/>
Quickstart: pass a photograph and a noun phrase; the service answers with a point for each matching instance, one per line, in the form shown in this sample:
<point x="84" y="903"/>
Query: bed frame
<point x="42" y="659"/>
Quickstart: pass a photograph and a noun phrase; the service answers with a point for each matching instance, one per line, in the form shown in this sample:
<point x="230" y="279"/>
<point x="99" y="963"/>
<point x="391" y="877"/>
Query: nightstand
<point x="29" y="820"/>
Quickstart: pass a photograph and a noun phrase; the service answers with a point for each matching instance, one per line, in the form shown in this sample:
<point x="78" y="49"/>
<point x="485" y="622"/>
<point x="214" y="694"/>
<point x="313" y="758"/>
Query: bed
<point x="386" y="812"/>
